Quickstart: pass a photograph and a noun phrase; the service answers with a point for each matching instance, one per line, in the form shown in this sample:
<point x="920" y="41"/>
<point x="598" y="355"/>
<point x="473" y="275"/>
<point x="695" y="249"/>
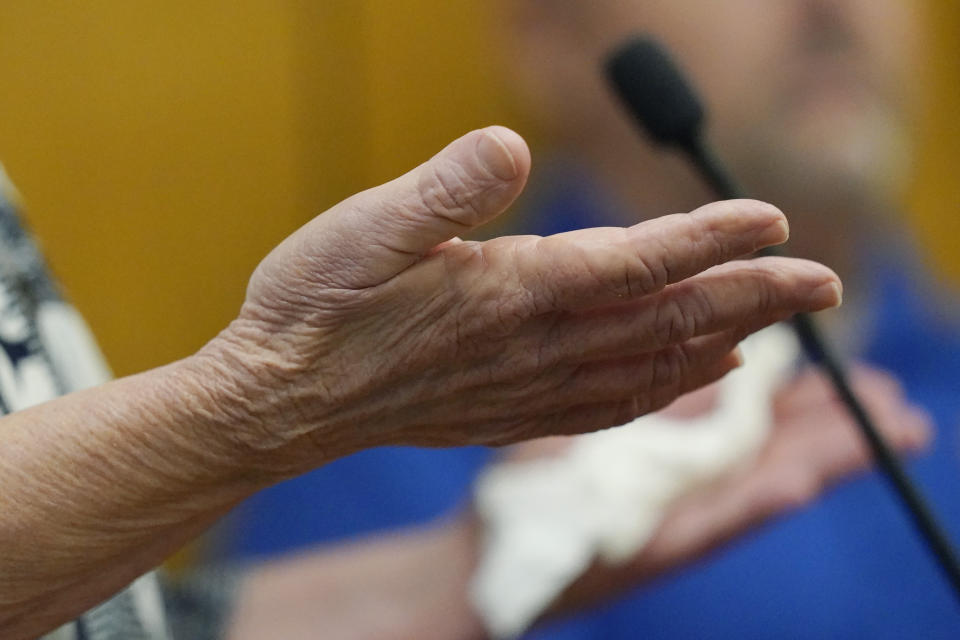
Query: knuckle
<point x="707" y="232"/>
<point x="638" y="267"/>
<point x="672" y="324"/>
<point x="682" y="315"/>
<point x="498" y="300"/>
<point x="640" y="277"/>
<point x="696" y="312"/>
<point x="668" y="367"/>
<point x="643" y="275"/>
<point x="544" y="280"/>
<point x="771" y="280"/>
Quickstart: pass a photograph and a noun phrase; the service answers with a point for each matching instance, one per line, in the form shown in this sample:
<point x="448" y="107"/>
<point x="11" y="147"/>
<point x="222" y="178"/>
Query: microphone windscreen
<point x="656" y="92"/>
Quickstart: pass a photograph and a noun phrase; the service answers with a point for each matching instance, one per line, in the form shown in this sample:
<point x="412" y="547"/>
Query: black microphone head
<point x="656" y="92"/>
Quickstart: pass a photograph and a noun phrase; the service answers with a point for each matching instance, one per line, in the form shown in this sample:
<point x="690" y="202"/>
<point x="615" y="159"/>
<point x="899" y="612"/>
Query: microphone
<point x="658" y="96"/>
<point x="665" y="105"/>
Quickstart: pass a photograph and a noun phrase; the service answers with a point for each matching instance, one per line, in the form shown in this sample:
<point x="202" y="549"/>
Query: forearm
<point x="102" y="485"/>
<point x="409" y="585"/>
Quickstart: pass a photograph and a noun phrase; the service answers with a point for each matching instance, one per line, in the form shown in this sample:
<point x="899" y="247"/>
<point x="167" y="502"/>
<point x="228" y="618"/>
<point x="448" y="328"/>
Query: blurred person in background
<point x="811" y="103"/>
<point x="413" y="584"/>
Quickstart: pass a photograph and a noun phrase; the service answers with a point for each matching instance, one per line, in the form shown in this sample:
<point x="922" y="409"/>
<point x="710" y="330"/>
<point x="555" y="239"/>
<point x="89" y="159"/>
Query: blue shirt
<point x="849" y="565"/>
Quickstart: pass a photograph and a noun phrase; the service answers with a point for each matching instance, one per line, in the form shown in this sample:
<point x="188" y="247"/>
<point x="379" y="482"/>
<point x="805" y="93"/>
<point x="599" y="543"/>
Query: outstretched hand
<point x="375" y="325"/>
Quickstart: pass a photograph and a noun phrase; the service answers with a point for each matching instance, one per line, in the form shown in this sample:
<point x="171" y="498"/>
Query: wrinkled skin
<point x="374" y="325"/>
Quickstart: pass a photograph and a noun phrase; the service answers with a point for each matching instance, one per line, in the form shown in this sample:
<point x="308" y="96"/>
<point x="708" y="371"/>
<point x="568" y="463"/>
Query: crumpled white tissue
<point x="546" y="520"/>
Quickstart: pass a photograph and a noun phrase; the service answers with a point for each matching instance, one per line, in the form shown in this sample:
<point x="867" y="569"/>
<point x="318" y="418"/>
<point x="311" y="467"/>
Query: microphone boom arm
<point x="661" y="100"/>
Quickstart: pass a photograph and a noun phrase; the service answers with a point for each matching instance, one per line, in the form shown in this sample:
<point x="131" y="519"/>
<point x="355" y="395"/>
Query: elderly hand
<point x="375" y="325"/>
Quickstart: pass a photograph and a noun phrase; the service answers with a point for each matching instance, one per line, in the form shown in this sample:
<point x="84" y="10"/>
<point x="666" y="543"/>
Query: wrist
<point x="204" y="430"/>
<point x="251" y="395"/>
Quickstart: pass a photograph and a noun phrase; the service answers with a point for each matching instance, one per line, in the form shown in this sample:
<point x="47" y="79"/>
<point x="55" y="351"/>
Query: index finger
<point x="594" y="267"/>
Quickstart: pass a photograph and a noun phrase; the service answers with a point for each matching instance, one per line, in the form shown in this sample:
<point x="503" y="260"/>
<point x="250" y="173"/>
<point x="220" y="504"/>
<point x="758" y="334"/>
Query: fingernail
<point x="496" y="157"/>
<point x="837" y="293"/>
<point x="776" y="233"/>
<point x="783" y="231"/>
<point x="829" y="295"/>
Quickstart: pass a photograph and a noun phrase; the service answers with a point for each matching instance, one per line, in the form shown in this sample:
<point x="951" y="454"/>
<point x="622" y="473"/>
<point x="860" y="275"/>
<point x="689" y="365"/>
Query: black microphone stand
<point x="660" y="98"/>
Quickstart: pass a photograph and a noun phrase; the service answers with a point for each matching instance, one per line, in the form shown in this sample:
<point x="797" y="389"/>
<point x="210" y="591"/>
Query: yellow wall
<point x="163" y="146"/>
<point x="155" y="146"/>
<point x="935" y="199"/>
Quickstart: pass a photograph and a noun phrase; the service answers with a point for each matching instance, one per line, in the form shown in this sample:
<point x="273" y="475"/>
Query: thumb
<point x="374" y="235"/>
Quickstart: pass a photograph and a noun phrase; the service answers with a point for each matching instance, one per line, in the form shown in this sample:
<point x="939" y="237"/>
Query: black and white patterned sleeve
<point x="46" y="350"/>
